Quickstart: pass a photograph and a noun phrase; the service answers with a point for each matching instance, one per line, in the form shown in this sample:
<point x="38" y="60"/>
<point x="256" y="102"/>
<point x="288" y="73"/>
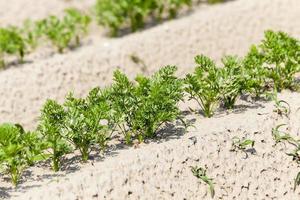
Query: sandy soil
<point x="159" y="170"/>
<point x="14" y="12"/>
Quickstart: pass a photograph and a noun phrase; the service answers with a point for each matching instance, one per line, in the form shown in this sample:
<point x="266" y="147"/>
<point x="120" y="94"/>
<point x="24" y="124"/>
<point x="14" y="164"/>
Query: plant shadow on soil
<point x="254" y="103"/>
<point x="15" y="63"/>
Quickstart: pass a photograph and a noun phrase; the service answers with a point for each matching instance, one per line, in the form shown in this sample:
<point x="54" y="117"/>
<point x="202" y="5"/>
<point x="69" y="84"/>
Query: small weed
<point x="11" y="43"/>
<point x="280" y="136"/>
<point x="242" y="144"/>
<point x="200" y="173"/>
<point x="297" y="181"/>
<point x="238" y="144"/>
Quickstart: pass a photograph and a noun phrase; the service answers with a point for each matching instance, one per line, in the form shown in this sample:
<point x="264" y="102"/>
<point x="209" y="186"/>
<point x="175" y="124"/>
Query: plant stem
<point x="84" y="153"/>
<point x="14" y="175"/>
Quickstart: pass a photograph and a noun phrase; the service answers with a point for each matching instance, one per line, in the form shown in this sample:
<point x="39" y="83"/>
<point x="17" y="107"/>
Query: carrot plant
<point x="67" y="31"/>
<point x="200" y="173"/>
<point x="51" y="128"/>
<point x="83" y="126"/>
<point x="171" y="6"/>
<point x="11" y="43"/>
<point x="279" y="53"/>
<point x="232" y="81"/>
<point x="32" y="33"/>
<point x="15" y="151"/>
<point x="142" y="108"/>
<point x="78" y="23"/>
<point x="204" y="85"/>
<point x="119" y="13"/>
<point x="256" y="74"/>
<point x="110" y="14"/>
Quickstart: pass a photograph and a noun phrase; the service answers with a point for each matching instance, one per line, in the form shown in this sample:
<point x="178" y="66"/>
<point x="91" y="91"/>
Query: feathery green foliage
<point x="82" y="125"/>
<point x="277" y="59"/>
<point x="210" y="85"/>
<point x="18" y="150"/>
<point x="51" y="128"/>
<point x="256" y="80"/>
<point x="232" y="80"/>
<point x="119" y="13"/>
<point x="143" y="107"/>
<point x="11" y="43"/>
<point x="64" y="32"/>
<point x="204" y="85"/>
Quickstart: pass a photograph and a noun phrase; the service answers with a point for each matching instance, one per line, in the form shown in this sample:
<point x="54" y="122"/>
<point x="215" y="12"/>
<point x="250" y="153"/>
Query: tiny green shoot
<point x="200" y="173"/>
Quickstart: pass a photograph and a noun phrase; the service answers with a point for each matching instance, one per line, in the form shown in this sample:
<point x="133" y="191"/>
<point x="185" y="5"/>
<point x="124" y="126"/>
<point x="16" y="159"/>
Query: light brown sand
<point x="14" y="12"/>
<point x="223" y="29"/>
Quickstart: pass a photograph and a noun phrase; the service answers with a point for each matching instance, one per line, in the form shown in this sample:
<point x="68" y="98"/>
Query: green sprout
<point x="200" y="173"/>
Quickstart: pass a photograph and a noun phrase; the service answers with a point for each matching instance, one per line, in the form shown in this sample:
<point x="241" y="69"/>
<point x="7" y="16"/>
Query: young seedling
<point x="32" y="33"/>
<point x="15" y="152"/>
<point x="173" y="6"/>
<point x="12" y="43"/>
<point x="232" y="81"/>
<point x="142" y="108"/>
<point x="158" y="101"/>
<point x="77" y="22"/>
<point x="119" y="13"/>
<point x="281" y="107"/>
<point x="280" y="136"/>
<point x="281" y="54"/>
<point x="51" y="128"/>
<point x="83" y="126"/>
<point x="110" y="14"/>
<point x="204" y="85"/>
<point x="242" y="144"/>
<point x="33" y="146"/>
<point x="200" y="173"/>
<point x="297" y="181"/>
<point x="295" y="154"/>
<point x="256" y="77"/>
<point x="65" y="32"/>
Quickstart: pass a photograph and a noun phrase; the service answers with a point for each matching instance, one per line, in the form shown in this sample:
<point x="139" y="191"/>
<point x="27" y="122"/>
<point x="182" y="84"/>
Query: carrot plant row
<point x="61" y="32"/>
<point x="139" y="109"/>
<point x="66" y="32"/>
<point x="120" y="13"/>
